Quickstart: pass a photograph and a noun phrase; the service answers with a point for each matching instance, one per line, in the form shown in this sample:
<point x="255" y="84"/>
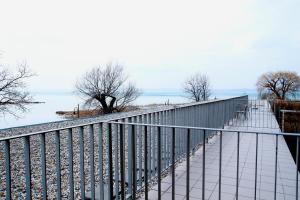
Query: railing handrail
<point x="178" y="106"/>
<point x="150" y="125"/>
<point x="117" y="118"/>
<point x="204" y="128"/>
<point x="290" y="111"/>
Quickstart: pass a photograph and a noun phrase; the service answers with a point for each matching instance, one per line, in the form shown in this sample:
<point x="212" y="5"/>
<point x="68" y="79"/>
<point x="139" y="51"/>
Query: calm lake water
<point x="45" y="112"/>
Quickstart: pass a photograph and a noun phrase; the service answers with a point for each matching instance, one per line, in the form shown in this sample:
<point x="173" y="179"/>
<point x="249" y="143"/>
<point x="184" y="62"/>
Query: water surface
<point x="67" y="101"/>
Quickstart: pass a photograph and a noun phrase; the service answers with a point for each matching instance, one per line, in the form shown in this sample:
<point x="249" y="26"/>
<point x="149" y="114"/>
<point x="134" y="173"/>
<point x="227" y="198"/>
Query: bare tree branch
<point x="278" y="85"/>
<point x="197" y="87"/>
<point x="107" y="87"/>
<point x="13" y="94"/>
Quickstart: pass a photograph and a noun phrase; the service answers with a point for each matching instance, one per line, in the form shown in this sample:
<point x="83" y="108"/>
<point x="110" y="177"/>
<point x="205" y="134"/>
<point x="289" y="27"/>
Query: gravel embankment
<point x="17" y="156"/>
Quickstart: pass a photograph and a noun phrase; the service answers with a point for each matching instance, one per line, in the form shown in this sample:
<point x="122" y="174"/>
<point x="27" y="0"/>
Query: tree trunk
<point x="106" y="108"/>
<point x="111" y="104"/>
<point x="102" y="100"/>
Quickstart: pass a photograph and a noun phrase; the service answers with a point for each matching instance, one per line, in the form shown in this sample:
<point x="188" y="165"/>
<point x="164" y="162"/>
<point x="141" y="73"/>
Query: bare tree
<point x="278" y="85"/>
<point x="197" y="87"/>
<point x="13" y="94"/>
<point x="107" y="87"/>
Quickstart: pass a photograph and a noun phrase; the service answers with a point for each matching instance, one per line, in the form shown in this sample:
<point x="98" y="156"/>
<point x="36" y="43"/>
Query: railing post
<point x="110" y="164"/>
<point x="146" y="162"/>
<point x="282" y="123"/>
<point x="82" y="175"/>
<point x="130" y="157"/>
<point x="122" y="162"/>
<point x="100" y="152"/>
<point x="159" y="161"/>
<point x="140" y="136"/>
<point x="27" y="166"/>
<point x="7" y="168"/>
<point x="116" y="169"/>
<point x="220" y="165"/>
<point x="149" y="129"/>
<point x="276" y="158"/>
<point x="70" y="150"/>
<point x="237" y="165"/>
<point x="173" y="163"/>
<point x="297" y="163"/>
<point x="188" y="164"/>
<point x="92" y="167"/>
<point x="43" y="166"/>
<point x="58" y="168"/>
<point x="256" y="155"/>
<point x="133" y="147"/>
<point x="153" y="147"/>
<point x="203" y="165"/>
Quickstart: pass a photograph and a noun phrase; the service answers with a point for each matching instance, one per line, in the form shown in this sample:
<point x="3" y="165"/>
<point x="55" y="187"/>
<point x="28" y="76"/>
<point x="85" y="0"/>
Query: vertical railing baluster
<point x="276" y="158"/>
<point x="149" y="121"/>
<point x="100" y="138"/>
<point x="176" y="122"/>
<point x="43" y="166"/>
<point x="70" y="150"/>
<point x="146" y="162"/>
<point x="58" y="168"/>
<point x="136" y="129"/>
<point x="153" y="170"/>
<point x="164" y="116"/>
<point x="159" y="161"/>
<point x="7" y="168"/>
<point x="92" y="166"/>
<point x="173" y="163"/>
<point x="81" y="161"/>
<point x="188" y="135"/>
<point x="256" y="156"/>
<point x="122" y="162"/>
<point x="164" y="122"/>
<point x="116" y="170"/>
<point x="133" y="147"/>
<point x="297" y="162"/>
<point x="169" y="138"/>
<point x="203" y="165"/>
<point x="140" y="135"/>
<point x="27" y="166"/>
<point x="220" y="165"/>
<point x="129" y="157"/>
<point x="182" y="135"/>
<point x="237" y="165"/>
<point x="110" y="164"/>
<point x="159" y="119"/>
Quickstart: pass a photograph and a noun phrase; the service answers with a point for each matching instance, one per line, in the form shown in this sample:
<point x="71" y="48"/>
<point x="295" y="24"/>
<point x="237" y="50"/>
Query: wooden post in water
<point x="78" y="110"/>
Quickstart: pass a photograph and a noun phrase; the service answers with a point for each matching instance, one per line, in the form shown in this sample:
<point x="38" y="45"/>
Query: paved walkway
<point x="286" y="171"/>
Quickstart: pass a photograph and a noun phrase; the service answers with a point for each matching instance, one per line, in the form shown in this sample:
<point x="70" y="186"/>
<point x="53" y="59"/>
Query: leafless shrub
<point x="13" y="94"/>
<point x="197" y="87"/>
<point x="107" y="87"/>
<point x="278" y="85"/>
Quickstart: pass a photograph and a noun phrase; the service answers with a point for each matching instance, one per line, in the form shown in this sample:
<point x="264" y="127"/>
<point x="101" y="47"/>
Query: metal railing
<point x="109" y="160"/>
<point x="283" y="111"/>
<point x="188" y="150"/>
<point x="259" y="110"/>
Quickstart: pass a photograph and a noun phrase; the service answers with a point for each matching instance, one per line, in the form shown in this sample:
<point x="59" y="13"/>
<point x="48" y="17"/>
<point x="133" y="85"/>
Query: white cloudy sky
<point x="159" y="42"/>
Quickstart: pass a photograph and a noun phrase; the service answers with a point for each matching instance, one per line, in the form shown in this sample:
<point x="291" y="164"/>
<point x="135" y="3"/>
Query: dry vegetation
<point x="292" y="120"/>
<point x="90" y="113"/>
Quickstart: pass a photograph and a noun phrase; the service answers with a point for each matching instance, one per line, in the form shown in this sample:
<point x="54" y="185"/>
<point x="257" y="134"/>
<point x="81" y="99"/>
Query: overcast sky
<point x="160" y="43"/>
